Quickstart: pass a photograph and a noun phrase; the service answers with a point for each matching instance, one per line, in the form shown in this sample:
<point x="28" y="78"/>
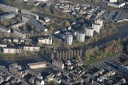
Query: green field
<point x="93" y="59"/>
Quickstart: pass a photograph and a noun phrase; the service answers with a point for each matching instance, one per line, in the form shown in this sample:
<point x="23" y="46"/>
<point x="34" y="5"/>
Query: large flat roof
<point x="37" y="63"/>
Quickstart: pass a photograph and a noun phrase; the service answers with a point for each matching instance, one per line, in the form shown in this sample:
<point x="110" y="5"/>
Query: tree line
<point x="112" y="47"/>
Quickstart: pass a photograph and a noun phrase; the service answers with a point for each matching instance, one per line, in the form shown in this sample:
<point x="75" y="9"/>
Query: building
<point x="112" y="1"/>
<point x="8" y="8"/>
<point x="100" y="72"/>
<point x="17" y="70"/>
<point x="19" y="33"/>
<point x="80" y="36"/>
<point x="31" y="48"/>
<point x="3" y="45"/>
<point x="123" y="69"/>
<point x="1" y="79"/>
<point x="46" y="19"/>
<point x="7" y="16"/>
<point x="99" y="21"/>
<point x="18" y="40"/>
<point x="45" y="40"/>
<point x="11" y="50"/>
<point x="58" y="64"/>
<point x="5" y="31"/>
<point x="116" y="5"/>
<point x="96" y="27"/>
<point x="37" y="0"/>
<point x="89" y="32"/>
<point x="32" y="15"/>
<point x="54" y="78"/>
<point x="37" y="65"/>
<point x="68" y="39"/>
<point x="17" y="25"/>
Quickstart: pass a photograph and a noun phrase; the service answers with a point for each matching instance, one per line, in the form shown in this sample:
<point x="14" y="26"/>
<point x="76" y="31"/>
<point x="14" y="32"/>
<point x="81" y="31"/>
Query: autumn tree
<point x="67" y="24"/>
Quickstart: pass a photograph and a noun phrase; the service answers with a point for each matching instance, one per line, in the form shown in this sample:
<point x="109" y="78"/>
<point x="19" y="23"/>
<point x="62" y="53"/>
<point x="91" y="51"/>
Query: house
<point x="17" y="70"/>
<point x="8" y="8"/>
<point x="68" y="62"/>
<point x="116" y="5"/>
<point x="5" y="30"/>
<point x="54" y="78"/>
<point x="58" y="64"/>
<point x="112" y="0"/>
<point x="39" y="82"/>
<point x="18" y="40"/>
<point x="1" y="79"/>
<point x="31" y="48"/>
<point x="17" y="25"/>
<point x="3" y="45"/>
<point x="11" y="50"/>
<point x="19" y="33"/>
<point x="123" y="69"/>
<point x="7" y="40"/>
<point x="100" y="72"/>
<point x="46" y="19"/>
<point x="35" y="81"/>
<point x="45" y="40"/>
<point x="7" y="16"/>
<point x="37" y="65"/>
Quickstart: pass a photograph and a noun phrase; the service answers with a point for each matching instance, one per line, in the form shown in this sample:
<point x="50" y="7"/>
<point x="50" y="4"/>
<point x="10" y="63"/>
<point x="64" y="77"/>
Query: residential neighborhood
<point x="63" y="42"/>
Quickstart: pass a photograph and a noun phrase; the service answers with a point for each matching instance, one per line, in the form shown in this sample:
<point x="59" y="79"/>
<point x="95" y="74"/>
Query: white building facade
<point x="31" y="48"/>
<point x="45" y="40"/>
<point x="80" y="36"/>
<point x="96" y="27"/>
<point x="68" y="39"/>
<point x="37" y="65"/>
<point x="89" y="32"/>
<point x="11" y="50"/>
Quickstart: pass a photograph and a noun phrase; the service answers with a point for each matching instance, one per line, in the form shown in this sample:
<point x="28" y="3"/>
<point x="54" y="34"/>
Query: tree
<point x="78" y="58"/>
<point x="84" y="26"/>
<point x="67" y="24"/>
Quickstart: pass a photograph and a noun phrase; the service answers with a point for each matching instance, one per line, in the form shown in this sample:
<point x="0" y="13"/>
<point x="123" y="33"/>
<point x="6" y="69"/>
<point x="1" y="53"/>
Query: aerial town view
<point x="63" y="42"/>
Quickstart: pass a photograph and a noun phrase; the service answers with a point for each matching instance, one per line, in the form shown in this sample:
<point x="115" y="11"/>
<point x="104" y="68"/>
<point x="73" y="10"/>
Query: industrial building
<point x="8" y="8"/>
<point x="80" y="36"/>
<point x="68" y="39"/>
<point x="96" y="27"/>
<point x="7" y="16"/>
<point x="37" y="65"/>
<point x="45" y="40"/>
<point x="31" y="48"/>
<point x="99" y="21"/>
<point x="89" y="32"/>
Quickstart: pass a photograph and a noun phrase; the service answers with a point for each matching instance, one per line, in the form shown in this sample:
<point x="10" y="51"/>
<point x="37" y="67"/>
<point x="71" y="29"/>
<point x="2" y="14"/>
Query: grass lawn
<point x="93" y="59"/>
